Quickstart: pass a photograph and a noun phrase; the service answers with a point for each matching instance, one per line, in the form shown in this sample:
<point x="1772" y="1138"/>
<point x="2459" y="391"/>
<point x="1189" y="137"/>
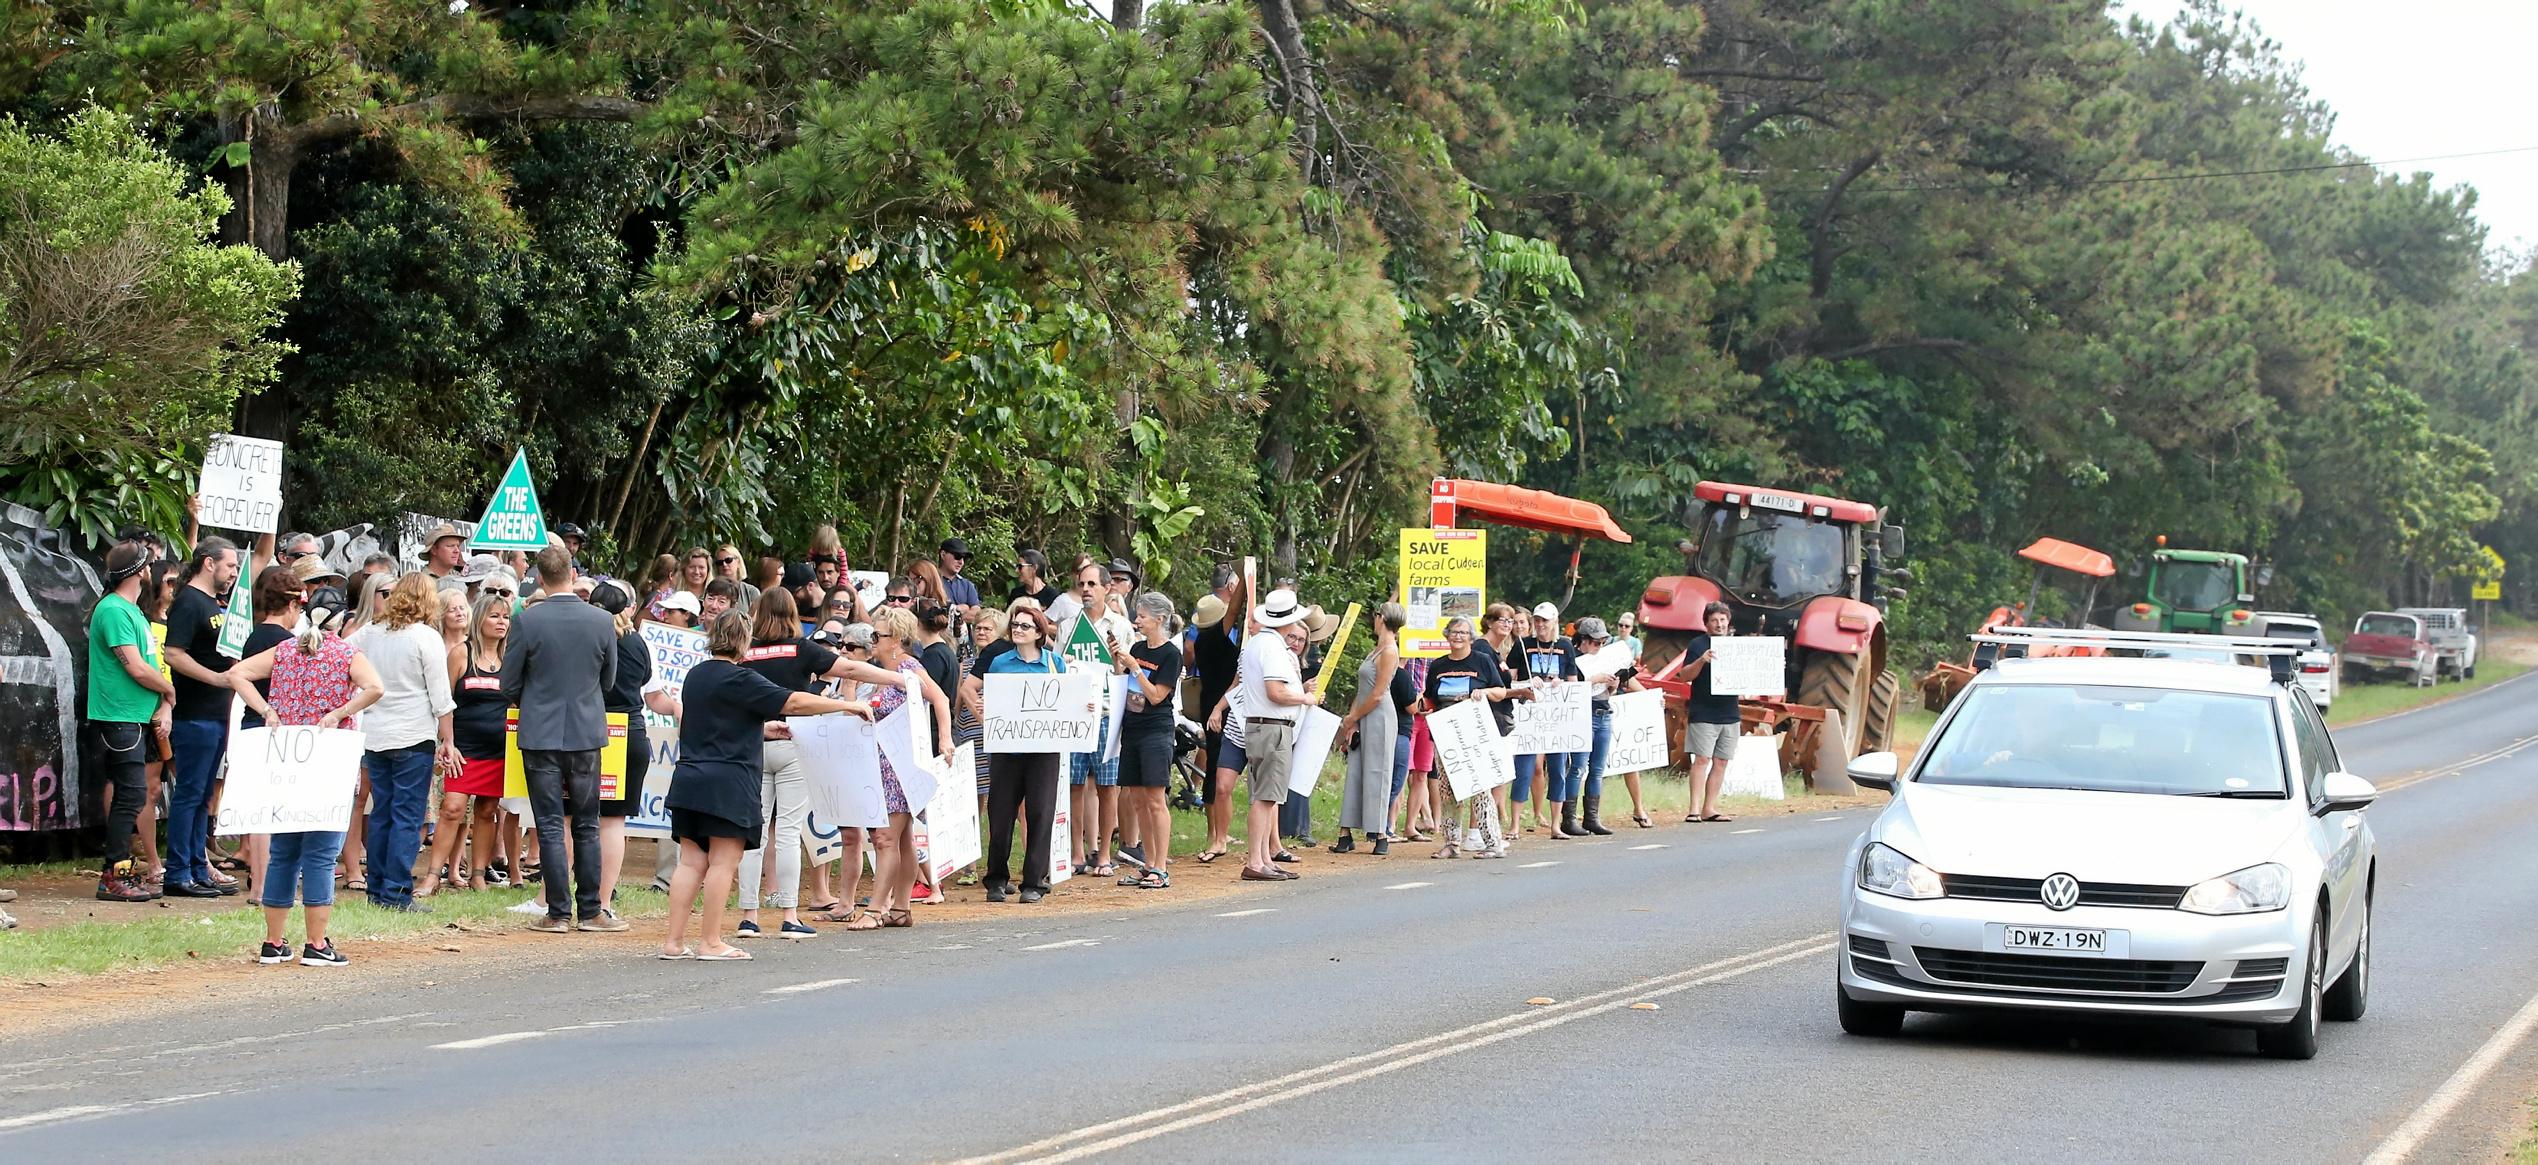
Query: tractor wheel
<point x="1885" y="703"/>
<point x="1657" y="648"/>
<point x="1832" y="679"/>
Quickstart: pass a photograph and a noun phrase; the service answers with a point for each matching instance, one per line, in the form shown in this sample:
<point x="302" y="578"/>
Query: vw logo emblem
<point x="2060" y="892"/>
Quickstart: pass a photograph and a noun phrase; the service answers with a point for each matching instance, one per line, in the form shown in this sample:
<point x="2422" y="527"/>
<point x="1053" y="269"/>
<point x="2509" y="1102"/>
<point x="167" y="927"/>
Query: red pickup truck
<point x="2387" y="643"/>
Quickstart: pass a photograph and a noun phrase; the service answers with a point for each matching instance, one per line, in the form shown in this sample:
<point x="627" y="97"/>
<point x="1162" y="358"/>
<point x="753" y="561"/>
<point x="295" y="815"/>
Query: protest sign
<point x="1470" y="751"/>
<point x="289" y="780"/>
<point x="907" y="742"/>
<point x="512" y="519"/>
<point x="841" y="768"/>
<point x="1558" y="719"/>
<point x="1443" y="577"/>
<point x="1755" y="769"/>
<point x="871" y="586"/>
<point x="1749" y="665"/>
<point x="1331" y="658"/>
<point x="1639" y="734"/>
<point x="1613" y="658"/>
<point x="951" y="817"/>
<point x="612" y="757"/>
<point x="674" y="651"/>
<point x="1121" y="687"/>
<point x="238" y="621"/>
<point x="241" y="485"/>
<point x="1061" y="841"/>
<point x="1314" y="736"/>
<point x="1044" y="713"/>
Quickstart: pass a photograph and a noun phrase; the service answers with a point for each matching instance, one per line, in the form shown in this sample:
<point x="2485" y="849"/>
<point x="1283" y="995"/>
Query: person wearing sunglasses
<point x="729" y="564"/>
<point x="1025" y="782"/>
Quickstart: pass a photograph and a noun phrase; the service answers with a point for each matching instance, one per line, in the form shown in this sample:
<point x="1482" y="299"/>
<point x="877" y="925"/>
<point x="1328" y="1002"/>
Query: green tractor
<point x="2202" y="592"/>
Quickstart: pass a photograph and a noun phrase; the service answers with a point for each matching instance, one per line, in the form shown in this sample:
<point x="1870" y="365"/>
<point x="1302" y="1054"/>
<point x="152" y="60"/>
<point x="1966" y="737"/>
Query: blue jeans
<point x="198" y="745"/>
<point x="400" y="793"/>
<point x="1401" y="759"/>
<point x="1555" y="778"/>
<point x="1522" y="790"/>
<point x="1603" y="738"/>
<point x="307" y="859"/>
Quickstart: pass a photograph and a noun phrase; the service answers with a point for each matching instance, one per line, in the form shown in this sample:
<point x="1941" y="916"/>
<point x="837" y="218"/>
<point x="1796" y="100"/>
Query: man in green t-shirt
<point x="128" y="700"/>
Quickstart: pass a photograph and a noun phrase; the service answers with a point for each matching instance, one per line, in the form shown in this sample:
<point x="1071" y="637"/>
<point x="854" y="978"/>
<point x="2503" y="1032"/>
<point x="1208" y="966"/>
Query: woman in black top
<point x="785" y="657"/>
<point x="638" y="687"/>
<point x="1145" y="734"/>
<point x="478" y="727"/>
<point x="1467" y="674"/>
<point x="714" y="812"/>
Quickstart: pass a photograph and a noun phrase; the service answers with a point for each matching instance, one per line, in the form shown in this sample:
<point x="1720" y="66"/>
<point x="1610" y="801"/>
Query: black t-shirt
<point x="1452" y="681"/>
<point x="1142" y="720"/>
<point x="941" y="666"/>
<point x="193" y="624"/>
<point x="795" y="666"/>
<point x="1705" y="707"/>
<point x="1048" y="595"/>
<point x="988" y="654"/>
<point x="264" y="638"/>
<point x="634" y="670"/>
<point x="1552" y="659"/>
<point x="1218" y="659"/>
<point x="724" y="709"/>
<point x="1404" y="694"/>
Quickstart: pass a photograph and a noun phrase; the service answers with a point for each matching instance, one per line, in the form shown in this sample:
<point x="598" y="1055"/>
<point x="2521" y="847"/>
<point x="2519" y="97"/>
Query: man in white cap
<point x="1274" y="698"/>
<point x="1551" y="658"/>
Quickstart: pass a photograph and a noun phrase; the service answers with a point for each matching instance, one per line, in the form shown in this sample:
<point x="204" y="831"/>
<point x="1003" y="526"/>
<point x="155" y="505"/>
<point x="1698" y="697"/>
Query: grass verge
<point x="87" y="948"/>
<point x="2526" y="1152"/>
<point x="2358" y="702"/>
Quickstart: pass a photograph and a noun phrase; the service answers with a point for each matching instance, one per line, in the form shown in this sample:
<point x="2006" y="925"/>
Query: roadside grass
<point x="2526" y="1152"/>
<point x="11" y="874"/>
<point x="116" y="943"/>
<point x="1912" y="727"/>
<point x="2366" y="701"/>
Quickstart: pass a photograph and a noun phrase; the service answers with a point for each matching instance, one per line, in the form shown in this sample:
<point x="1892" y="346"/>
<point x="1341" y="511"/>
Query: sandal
<point x="1131" y="879"/>
<point x="358" y="885"/>
<point x="1718" y="817"/>
<point x="673" y="956"/>
<point x="1103" y="870"/>
<point x="1691" y="819"/>
<point x="863" y="920"/>
<point x="1450" y="850"/>
<point x="831" y="908"/>
<point x="729" y="955"/>
<point x="1210" y="856"/>
<point x="1641" y="820"/>
<point x="1153" y="879"/>
<point x="896" y="919"/>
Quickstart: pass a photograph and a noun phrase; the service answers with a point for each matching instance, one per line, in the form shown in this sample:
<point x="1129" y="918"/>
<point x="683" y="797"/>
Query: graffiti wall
<point x="45" y="593"/>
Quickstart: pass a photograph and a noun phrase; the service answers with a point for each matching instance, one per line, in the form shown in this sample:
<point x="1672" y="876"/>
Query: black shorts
<point x="1145" y="761"/>
<point x="638" y="763"/>
<point x="702" y="828"/>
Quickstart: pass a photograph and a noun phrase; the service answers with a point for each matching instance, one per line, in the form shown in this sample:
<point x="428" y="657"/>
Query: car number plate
<point x="2043" y="938"/>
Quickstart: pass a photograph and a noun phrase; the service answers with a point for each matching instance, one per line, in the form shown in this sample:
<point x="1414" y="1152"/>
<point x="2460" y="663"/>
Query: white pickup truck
<point x="2453" y="642"/>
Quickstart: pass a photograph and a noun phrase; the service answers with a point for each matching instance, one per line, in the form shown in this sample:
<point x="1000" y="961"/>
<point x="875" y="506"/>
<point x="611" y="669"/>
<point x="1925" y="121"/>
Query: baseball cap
<point x="682" y="601"/>
<point x="1591" y="627"/>
<point x="955" y="547"/>
<point x="1546" y="611"/>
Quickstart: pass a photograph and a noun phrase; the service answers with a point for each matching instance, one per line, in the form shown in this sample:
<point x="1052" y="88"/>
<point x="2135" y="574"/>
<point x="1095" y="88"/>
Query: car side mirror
<point x="2265" y="575"/>
<point x="1876" y="770"/>
<point x="2343" y="791"/>
<point x="1890" y="542"/>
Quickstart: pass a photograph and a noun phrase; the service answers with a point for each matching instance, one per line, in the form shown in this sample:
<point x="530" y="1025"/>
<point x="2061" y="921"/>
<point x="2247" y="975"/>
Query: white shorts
<point x="1715" y="741"/>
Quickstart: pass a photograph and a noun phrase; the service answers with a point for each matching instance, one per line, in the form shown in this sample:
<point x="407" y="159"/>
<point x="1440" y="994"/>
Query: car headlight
<point x="1883" y="870"/>
<point x="2249" y="891"/>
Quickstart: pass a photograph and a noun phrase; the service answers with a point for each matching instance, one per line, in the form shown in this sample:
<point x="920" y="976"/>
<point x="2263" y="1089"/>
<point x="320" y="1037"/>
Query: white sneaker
<point x="532" y="906"/>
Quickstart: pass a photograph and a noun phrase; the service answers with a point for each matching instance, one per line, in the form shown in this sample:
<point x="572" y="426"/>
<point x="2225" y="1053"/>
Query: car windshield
<point x="2196" y="586"/>
<point x="2401" y="626"/>
<point x="2302" y="634"/>
<point x="2110" y="739"/>
<point x="1770" y="558"/>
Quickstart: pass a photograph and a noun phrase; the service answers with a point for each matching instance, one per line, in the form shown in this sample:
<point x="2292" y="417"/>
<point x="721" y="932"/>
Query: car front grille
<point x="2091" y="893"/>
<point x="1874" y="948"/>
<point x="2130" y="977"/>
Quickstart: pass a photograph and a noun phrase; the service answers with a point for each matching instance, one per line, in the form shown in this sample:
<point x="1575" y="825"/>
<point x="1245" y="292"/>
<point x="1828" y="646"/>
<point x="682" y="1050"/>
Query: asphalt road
<point x="1378" y="1018"/>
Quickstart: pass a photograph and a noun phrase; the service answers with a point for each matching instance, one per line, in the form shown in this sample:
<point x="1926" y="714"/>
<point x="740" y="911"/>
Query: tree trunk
<point x="1127" y="15"/>
<point x="1280" y="454"/>
<point x="1116" y="526"/>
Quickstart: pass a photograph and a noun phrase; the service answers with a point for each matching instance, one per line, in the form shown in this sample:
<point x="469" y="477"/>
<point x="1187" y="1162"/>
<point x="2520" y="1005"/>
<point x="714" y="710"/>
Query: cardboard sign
<point x="1559" y="719"/>
<point x="951" y="817"/>
<point x="1444" y="576"/>
<point x="1639" y="734"/>
<point x="411" y="531"/>
<point x="612" y="758"/>
<point x="1755" y="769"/>
<point x="241" y="485"/>
<point x="1121" y="688"/>
<point x="841" y="769"/>
<point x="1474" y="758"/>
<point x="1615" y="656"/>
<point x="906" y="737"/>
<point x="1314" y="736"/>
<point x="674" y="651"/>
<point x="289" y="780"/>
<point x="1044" y="713"/>
<point x="1749" y="665"/>
<point x="1331" y="658"/>
<point x="512" y="519"/>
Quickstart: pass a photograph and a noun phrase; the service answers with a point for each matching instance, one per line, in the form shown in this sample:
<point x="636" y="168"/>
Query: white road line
<point x="1828" y="819"/>
<point x="814" y="985"/>
<point x="1249" y="913"/>
<point x="2401" y="1145"/>
<point x="1536" y="865"/>
<point x="486" y="1041"/>
<point x="83" y="1111"/>
<point x="2456" y="767"/>
<point x="1734" y="832"/>
<point x="1393" y="1059"/>
<point x="1408" y="885"/>
<point x="1651" y="845"/>
<point x="1061" y="945"/>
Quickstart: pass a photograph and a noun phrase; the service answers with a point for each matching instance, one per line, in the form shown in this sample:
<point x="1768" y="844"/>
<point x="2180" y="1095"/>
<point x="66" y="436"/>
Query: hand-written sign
<point x="951" y="818"/>
<point x="1044" y="713"/>
<point x="1313" y="740"/>
<point x="1639" y="734"/>
<point x="1749" y="665"/>
<point x="241" y="486"/>
<point x="289" y="780"/>
<point x="1470" y="751"/>
<point x="1559" y="719"/>
<point x="841" y="769"/>
<point x="674" y="651"/>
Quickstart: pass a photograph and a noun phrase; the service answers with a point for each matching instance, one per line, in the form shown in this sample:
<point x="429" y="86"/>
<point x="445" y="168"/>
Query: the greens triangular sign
<point x="512" y="520"/>
<point x="237" y="622"/>
<point x="1085" y="645"/>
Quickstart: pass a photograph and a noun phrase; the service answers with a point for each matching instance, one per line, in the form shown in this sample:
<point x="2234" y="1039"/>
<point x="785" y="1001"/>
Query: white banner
<point x="1475" y="758"/>
<point x="907" y="739"/>
<point x="289" y="780"/>
<point x="1755" y="769"/>
<point x="1560" y="718"/>
<point x="1044" y="713"/>
<point x="241" y="486"/>
<point x="1061" y="838"/>
<point x="1313" y="739"/>
<point x="1639" y="734"/>
<point x="1121" y="687"/>
<point x="1749" y="665"/>
<point x="1613" y="658"/>
<point x="674" y="651"/>
<point x="841" y="768"/>
<point x="951" y="817"/>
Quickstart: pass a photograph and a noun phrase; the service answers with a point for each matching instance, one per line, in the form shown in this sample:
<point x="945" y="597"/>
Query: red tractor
<point x="1808" y="569"/>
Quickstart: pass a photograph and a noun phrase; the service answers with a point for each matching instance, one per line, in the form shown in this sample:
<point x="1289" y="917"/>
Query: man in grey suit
<point x="561" y="658"/>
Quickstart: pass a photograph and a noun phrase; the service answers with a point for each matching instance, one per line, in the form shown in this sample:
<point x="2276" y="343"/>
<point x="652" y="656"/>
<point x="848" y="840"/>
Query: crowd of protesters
<point x="453" y="669"/>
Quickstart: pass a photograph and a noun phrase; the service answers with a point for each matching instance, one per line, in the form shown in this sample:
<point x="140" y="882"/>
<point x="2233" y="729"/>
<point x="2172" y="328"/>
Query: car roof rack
<point x="2280" y="655"/>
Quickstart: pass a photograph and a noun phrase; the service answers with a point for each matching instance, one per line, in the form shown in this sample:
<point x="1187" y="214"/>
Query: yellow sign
<point x="1443" y="577"/>
<point x="612" y="758"/>
<point x="1331" y="658"/>
<point x="2492" y="586"/>
<point x="2487" y="590"/>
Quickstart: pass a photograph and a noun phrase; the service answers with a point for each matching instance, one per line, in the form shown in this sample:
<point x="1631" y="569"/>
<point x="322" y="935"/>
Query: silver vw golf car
<point x="2118" y="837"/>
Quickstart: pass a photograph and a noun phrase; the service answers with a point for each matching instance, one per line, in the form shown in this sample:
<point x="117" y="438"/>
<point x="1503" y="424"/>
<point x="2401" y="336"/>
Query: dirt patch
<point x="2519" y="648"/>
